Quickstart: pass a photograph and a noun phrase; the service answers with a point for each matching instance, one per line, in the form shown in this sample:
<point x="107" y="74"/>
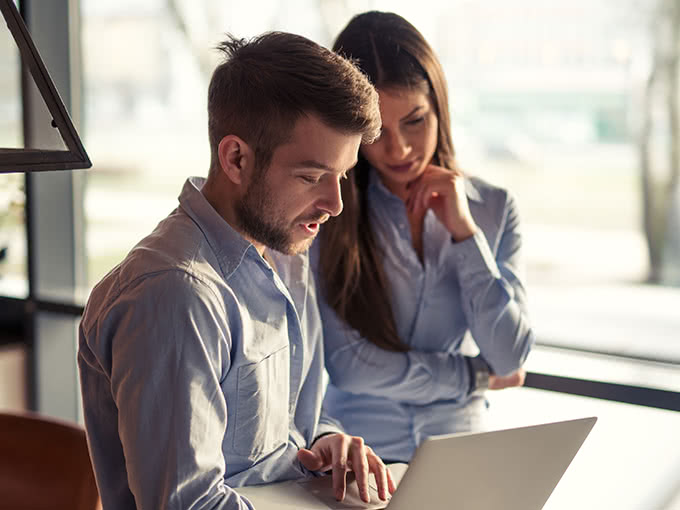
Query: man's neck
<point x="222" y="199"/>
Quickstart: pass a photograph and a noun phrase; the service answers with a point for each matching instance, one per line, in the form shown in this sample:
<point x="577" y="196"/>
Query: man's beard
<point x="257" y="219"/>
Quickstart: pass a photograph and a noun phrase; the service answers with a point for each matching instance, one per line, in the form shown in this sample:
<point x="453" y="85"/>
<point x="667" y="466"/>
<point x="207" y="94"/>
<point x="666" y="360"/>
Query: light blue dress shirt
<point x="395" y="400"/>
<point x="201" y="367"/>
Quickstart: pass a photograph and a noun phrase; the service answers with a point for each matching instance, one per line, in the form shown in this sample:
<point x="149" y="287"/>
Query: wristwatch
<point x="479" y="375"/>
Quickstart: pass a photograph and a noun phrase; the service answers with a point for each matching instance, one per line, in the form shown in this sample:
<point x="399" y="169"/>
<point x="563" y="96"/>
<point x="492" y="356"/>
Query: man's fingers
<point x="310" y="459"/>
<point x="339" y="480"/>
<point x="357" y="454"/>
<point x="392" y="487"/>
<point x="380" y="472"/>
<point x="339" y="465"/>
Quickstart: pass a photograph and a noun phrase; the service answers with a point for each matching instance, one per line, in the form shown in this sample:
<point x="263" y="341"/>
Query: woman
<point x="421" y="255"/>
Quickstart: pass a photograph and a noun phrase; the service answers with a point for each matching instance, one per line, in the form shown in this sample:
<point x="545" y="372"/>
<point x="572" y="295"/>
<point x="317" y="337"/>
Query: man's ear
<point x="236" y="158"/>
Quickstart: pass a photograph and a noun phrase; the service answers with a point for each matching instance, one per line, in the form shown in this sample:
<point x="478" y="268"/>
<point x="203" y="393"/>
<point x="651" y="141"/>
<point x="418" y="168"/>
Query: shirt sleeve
<point x="493" y="295"/>
<point x="169" y="348"/>
<point x="358" y="366"/>
<point x="327" y="425"/>
<point x="311" y="394"/>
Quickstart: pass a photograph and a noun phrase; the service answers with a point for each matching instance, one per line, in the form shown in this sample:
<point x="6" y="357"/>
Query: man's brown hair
<point x="267" y="83"/>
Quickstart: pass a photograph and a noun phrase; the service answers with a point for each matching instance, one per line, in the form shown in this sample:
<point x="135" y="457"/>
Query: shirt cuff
<point x="473" y="257"/>
<point x="319" y="436"/>
<point x="326" y="426"/>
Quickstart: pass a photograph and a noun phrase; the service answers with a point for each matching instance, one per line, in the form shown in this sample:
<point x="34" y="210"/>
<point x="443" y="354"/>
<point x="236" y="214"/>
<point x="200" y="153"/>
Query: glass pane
<point x="145" y="124"/>
<point x="553" y="113"/>
<point x="12" y="227"/>
<point x="10" y="91"/>
<point x="557" y="117"/>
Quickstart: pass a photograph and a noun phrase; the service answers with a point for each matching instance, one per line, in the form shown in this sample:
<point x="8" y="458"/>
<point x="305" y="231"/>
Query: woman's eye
<point x="415" y="121"/>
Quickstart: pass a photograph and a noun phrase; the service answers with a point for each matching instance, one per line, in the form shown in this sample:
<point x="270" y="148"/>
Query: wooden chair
<point x="44" y="464"/>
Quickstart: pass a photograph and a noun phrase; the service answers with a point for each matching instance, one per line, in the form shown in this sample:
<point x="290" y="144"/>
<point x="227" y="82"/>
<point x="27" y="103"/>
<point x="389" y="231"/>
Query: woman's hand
<point x="443" y="191"/>
<point x="497" y="382"/>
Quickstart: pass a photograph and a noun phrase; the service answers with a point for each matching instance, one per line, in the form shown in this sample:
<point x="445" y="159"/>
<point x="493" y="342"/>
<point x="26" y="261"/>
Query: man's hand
<point x="497" y="382"/>
<point x="343" y="453"/>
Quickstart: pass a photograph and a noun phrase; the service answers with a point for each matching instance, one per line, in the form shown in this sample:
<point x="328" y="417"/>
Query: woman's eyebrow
<point x="419" y="107"/>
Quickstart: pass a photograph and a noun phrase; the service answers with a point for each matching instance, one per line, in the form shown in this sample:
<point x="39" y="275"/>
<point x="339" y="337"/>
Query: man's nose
<point x="331" y="203"/>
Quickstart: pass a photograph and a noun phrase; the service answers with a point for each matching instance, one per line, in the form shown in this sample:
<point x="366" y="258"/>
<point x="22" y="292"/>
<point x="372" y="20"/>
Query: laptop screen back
<point x="513" y="469"/>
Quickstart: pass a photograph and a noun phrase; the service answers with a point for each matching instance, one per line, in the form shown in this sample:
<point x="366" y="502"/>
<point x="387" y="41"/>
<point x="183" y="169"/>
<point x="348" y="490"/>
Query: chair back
<point x="44" y="464"/>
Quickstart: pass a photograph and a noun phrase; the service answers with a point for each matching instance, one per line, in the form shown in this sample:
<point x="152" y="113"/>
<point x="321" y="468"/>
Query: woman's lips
<point x="405" y="167"/>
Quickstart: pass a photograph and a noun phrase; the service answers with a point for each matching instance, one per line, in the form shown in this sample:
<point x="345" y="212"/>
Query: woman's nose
<point x="398" y="147"/>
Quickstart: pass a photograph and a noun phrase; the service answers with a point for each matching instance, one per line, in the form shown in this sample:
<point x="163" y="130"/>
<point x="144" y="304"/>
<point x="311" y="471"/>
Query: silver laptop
<point x="511" y="469"/>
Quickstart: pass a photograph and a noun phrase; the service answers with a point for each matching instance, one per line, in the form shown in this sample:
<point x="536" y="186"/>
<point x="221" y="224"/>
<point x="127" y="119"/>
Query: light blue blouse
<point x="201" y="367"/>
<point x="395" y="400"/>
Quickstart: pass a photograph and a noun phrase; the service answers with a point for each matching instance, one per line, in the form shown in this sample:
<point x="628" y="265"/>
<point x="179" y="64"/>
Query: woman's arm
<point x="493" y="296"/>
<point x="358" y="366"/>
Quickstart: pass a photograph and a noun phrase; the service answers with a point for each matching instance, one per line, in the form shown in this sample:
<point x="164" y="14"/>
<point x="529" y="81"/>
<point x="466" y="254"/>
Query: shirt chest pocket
<point x="262" y="405"/>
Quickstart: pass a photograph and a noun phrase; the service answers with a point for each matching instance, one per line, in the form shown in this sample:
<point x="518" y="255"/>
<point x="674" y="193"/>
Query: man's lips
<point x="317" y="220"/>
<point x="312" y="227"/>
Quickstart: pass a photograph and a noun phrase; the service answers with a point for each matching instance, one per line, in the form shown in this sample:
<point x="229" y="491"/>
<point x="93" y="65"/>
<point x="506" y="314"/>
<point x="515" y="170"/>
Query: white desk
<point x="630" y="461"/>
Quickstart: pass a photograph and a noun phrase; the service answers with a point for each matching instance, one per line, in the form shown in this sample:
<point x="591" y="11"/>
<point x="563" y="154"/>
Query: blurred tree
<point x="661" y="127"/>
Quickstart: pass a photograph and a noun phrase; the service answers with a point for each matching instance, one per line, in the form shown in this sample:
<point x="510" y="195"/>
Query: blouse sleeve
<point x="358" y="366"/>
<point x="493" y="295"/>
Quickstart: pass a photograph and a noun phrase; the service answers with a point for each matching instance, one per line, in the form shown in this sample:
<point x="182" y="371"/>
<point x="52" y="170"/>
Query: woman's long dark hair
<point x="394" y="54"/>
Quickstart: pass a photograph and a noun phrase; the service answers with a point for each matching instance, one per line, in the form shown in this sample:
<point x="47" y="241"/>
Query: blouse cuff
<point x="473" y="257"/>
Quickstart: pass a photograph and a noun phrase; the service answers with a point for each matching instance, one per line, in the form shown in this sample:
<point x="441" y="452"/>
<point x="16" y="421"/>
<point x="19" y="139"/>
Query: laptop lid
<point x="512" y="469"/>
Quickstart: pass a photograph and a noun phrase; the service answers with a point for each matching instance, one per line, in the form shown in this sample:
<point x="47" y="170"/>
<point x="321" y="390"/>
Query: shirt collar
<point x="376" y="187"/>
<point x="229" y="246"/>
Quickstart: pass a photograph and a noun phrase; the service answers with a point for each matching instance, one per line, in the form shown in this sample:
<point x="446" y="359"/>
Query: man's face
<point x="285" y="204"/>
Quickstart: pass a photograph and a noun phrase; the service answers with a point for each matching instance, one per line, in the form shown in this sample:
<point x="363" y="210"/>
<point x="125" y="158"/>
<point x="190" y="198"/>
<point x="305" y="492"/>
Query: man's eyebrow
<point x="419" y="107"/>
<point x="310" y="163"/>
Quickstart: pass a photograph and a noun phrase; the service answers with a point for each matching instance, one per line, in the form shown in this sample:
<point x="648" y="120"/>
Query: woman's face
<point x="408" y="139"/>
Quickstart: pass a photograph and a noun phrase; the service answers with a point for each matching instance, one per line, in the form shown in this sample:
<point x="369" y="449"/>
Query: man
<point x="200" y="354"/>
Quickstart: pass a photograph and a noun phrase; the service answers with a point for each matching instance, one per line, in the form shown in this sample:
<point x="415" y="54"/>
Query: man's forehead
<point x="334" y="151"/>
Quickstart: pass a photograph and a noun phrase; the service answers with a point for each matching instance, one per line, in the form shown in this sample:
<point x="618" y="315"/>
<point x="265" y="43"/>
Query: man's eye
<point x="309" y="179"/>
